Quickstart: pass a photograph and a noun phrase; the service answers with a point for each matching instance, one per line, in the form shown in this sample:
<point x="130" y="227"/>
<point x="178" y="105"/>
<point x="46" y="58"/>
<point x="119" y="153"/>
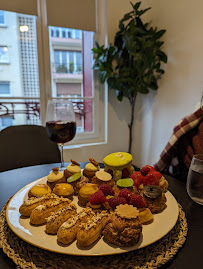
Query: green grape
<point x="131" y="170"/>
<point x="117" y="175"/>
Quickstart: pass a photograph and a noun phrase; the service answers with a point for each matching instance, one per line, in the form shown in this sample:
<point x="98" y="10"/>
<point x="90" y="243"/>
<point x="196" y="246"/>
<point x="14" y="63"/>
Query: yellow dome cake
<point x="119" y="165"/>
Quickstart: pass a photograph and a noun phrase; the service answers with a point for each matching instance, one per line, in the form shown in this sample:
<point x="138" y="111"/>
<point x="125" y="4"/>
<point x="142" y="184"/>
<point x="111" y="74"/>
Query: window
<point x="5" y="122"/>
<point x="39" y="74"/>
<point x="2" y="17"/>
<point x="5" y="88"/>
<point x="4" y="54"/>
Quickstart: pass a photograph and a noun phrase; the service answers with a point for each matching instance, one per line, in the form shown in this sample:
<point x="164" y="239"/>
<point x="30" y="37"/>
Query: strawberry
<point x="137" y="178"/>
<point x="125" y="193"/>
<point x="150" y="179"/>
<point x="97" y="198"/>
<point x="125" y="173"/>
<point x="137" y="201"/>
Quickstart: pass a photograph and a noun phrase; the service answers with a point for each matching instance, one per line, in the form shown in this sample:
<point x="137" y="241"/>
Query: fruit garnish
<point x="144" y="170"/>
<point x="97" y="198"/>
<point x="125" y="193"/>
<point x="125" y="182"/>
<point x="74" y="177"/>
<point x="137" y="201"/>
<point x="106" y="189"/>
<point x="152" y="191"/>
<point x="151" y="168"/>
<point x="157" y="174"/>
<point x="110" y="172"/>
<point x="115" y="201"/>
<point x="137" y="178"/>
<point x="150" y="179"/>
<point x="125" y="173"/>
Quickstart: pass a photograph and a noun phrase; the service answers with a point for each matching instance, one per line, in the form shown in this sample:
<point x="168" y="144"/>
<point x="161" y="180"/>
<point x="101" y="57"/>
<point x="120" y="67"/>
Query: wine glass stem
<point x="62" y="160"/>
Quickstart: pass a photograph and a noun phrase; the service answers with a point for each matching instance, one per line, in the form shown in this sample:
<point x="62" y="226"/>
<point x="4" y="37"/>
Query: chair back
<point x="26" y="145"/>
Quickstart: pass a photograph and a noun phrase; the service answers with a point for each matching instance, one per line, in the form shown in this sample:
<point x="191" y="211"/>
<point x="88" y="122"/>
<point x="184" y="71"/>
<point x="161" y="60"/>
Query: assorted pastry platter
<point x="35" y="235"/>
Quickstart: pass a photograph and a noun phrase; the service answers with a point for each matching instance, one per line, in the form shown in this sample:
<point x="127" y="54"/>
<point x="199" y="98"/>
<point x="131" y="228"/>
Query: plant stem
<point x="130" y="125"/>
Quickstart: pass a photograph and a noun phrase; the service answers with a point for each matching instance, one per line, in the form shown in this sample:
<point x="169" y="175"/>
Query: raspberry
<point x="137" y="201"/>
<point x="150" y="179"/>
<point x="106" y="189"/>
<point x="97" y="198"/>
<point x="157" y="174"/>
<point x="125" y="173"/>
<point x="151" y="168"/>
<point x="110" y="172"/>
<point x="137" y="178"/>
<point x="125" y="193"/>
<point x="144" y="170"/>
<point x="114" y="201"/>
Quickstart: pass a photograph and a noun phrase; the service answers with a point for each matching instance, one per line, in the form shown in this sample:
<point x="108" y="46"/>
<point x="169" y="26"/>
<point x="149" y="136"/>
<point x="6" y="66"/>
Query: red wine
<point x="61" y="132"/>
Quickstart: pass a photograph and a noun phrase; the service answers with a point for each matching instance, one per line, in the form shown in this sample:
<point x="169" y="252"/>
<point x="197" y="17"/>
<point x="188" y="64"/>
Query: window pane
<point x="4" y="54"/>
<point x="68" y="80"/>
<point x="2" y="18"/>
<point x="19" y="47"/>
<point x="4" y="88"/>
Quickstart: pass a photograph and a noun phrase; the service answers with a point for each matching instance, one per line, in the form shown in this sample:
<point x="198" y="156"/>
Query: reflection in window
<point x="4" y="54"/>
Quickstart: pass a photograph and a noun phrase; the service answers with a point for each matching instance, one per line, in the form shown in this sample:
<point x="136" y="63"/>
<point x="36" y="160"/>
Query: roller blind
<point x="20" y="6"/>
<point x="76" y="14"/>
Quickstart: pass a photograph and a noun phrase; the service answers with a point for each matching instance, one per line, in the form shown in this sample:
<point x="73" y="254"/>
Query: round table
<point x="189" y="256"/>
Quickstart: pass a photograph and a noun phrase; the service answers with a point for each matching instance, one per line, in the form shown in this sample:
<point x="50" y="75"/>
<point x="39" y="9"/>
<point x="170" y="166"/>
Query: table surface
<point x="189" y="256"/>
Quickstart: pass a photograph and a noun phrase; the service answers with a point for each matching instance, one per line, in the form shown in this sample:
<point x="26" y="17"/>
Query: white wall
<point x="180" y="88"/>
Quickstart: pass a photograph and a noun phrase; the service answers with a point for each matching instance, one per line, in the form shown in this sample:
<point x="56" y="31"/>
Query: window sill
<point x="3" y="26"/>
<point x="7" y="63"/>
<point x="84" y="145"/>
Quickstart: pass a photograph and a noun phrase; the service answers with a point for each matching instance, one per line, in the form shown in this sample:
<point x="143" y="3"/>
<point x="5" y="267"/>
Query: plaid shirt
<point x="168" y="161"/>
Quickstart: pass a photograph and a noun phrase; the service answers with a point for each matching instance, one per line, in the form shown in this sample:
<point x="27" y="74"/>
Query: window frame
<point x="99" y="98"/>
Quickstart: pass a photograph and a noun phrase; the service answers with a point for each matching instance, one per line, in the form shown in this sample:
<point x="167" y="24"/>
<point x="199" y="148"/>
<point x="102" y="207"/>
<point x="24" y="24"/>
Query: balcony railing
<point x="67" y="68"/>
<point x="31" y="108"/>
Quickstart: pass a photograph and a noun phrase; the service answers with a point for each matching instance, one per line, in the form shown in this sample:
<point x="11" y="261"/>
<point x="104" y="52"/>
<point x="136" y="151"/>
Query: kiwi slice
<point x="152" y="191"/>
<point x="125" y="182"/>
<point x="74" y="177"/>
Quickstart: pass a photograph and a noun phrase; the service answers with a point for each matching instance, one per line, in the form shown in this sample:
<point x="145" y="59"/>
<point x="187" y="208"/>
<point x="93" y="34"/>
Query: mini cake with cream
<point x="39" y="190"/>
<point x="91" y="168"/>
<point x="77" y="181"/>
<point x="64" y="189"/>
<point x="55" y="177"/>
<point x="71" y="169"/>
<point x="85" y="192"/>
<point x="119" y="165"/>
<point x="103" y="177"/>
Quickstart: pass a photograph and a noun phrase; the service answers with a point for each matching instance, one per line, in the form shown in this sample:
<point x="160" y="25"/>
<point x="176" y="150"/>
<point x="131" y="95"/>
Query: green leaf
<point x="162" y="56"/>
<point x="159" y="34"/>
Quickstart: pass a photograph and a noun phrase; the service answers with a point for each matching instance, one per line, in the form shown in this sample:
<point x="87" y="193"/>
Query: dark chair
<point x="26" y="145"/>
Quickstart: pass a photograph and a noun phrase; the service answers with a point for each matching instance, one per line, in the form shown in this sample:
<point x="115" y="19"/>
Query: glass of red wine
<point x="60" y="123"/>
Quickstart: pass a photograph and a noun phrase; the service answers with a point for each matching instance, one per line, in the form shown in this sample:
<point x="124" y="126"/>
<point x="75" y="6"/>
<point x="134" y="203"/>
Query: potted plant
<point x="133" y="64"/>
<point x="71" y="67"/>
